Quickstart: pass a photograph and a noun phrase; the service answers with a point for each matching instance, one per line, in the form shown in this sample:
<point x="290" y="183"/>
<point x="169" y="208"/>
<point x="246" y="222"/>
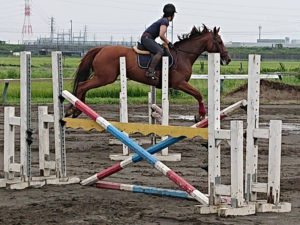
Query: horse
<point x="103" y="63"/>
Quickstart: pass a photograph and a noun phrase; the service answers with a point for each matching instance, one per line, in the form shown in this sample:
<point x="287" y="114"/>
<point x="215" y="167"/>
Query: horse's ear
<point x="216" y="30"/>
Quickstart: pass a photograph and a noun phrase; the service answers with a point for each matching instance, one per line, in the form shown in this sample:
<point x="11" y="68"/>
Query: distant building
<point x="271" y="41"/>
<point x="277" y="43"/>
<point x="295" y="42"/>
<point x="287" y="40"/>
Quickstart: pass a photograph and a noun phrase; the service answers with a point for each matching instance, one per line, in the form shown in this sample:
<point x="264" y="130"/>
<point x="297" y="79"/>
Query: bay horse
<point x="104" y="63"/>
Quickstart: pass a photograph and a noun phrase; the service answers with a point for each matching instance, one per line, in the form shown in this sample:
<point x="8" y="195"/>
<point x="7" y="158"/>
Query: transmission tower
<point x="27" y="28"/>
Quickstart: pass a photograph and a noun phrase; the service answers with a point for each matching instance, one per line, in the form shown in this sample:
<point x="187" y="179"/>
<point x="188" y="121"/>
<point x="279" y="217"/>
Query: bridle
<point x="216" y="44"/>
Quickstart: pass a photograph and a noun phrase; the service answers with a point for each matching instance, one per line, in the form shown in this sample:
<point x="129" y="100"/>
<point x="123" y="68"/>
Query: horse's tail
<point x="84" y="70"/>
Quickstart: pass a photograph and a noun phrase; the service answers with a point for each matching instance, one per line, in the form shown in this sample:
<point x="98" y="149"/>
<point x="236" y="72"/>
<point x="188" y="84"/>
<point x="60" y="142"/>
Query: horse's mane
<point x="194" y="33"/>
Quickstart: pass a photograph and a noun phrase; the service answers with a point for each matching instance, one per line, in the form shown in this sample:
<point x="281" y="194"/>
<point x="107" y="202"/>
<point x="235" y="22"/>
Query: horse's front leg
<point x="187" y="88"/>
<point x="80" y="93"/>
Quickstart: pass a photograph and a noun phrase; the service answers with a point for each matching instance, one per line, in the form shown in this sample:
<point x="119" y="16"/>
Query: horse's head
<point x="216" y="45"/>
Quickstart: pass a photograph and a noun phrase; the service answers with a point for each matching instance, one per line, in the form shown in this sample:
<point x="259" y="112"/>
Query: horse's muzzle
<point x="225" y="61"/>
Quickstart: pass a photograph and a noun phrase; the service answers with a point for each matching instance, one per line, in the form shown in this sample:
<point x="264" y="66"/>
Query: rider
<point x="158" y="28"/>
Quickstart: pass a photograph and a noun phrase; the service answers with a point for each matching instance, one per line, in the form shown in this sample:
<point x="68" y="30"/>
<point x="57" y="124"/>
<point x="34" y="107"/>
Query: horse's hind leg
<point x="83" y="87"/>
<point x="187" y="88"/>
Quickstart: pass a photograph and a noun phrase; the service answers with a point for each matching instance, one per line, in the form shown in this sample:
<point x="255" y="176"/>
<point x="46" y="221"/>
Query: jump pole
<point x="183" y="184"/>
<point x="143" y="189"/>
<point x="158" y="147"/>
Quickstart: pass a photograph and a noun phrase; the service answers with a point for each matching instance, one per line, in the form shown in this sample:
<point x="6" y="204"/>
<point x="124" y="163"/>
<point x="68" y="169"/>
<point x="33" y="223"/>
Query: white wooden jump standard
<point x="24" y="122"/>
<point x="45" y="163"/>
<point x="215" y="136"/>
<point x="25" y="179"/>
<point x="164" y="155"/>
<point x="58" y="163"/>
<point x="252" y="186"/>
<point x="272" y="187"/>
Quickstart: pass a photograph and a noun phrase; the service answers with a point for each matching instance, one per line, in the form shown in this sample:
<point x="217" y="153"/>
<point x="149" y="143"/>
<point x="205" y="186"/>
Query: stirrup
<point x="151" y="74"/>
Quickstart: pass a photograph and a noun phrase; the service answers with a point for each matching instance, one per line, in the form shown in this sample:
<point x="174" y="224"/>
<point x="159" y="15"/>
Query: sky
<point x="125" y="19"/>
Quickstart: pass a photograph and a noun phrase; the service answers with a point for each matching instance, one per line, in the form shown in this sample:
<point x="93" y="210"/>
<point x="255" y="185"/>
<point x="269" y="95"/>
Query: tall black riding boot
<point x="151" y="70"/>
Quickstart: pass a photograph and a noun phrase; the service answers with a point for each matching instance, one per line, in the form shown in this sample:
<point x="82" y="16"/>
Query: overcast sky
<point x="238" y="19"/>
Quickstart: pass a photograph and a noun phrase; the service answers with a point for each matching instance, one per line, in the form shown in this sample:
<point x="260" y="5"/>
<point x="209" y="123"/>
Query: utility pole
<point x="259" y="32"/>
<point x="52" y="29"/>
<point x="85" y="34"/>
<point x="71" y="32"/>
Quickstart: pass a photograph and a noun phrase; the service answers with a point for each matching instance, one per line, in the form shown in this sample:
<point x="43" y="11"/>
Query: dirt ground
<point x="87" y="153"/>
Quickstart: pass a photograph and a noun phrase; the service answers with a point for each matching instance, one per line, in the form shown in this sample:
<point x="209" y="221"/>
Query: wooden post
<point x="123" y="98"/>
<point x="213" y="121"/>
<point x="25" y="109"/>
<point x="274" y="161"/>
<point x="5" y="92"/>
<point x="151" y="101"/>
<point x="236" y="142"/>
<point x="252" y="123"/>
<point x="60" y="149"/>
<point x="45" y="163"/>
<point x="165" y="98"/>
<point x="9" y="142"/>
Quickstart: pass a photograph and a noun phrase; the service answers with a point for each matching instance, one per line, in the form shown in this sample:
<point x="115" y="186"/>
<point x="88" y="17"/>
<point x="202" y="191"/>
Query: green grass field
<point x="137" y="93"/>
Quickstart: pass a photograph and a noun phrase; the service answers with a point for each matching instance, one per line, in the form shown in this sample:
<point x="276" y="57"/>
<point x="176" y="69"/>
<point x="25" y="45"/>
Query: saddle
<point x="144" y="57"/>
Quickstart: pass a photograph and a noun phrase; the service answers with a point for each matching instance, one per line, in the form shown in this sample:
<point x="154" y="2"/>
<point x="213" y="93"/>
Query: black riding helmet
<point x="169" y="10"/>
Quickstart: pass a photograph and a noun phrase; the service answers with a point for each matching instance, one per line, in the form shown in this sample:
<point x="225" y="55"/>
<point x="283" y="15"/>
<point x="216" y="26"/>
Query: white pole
<point x="236" y="142"/>
<point x="123" y="98"/>
<point x="44" y="151"/>
<point x="274" y="161"/>
<point x="60" y="149"/>
<point x="9" y="143"/>
<point x="213" y="119"/>
<point x="165" y="98"/>
<point x="25" y="109"/>
<point x="252" y="123"/>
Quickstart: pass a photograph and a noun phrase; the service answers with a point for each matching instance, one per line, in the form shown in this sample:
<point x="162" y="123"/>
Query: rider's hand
<point x="170" y="45"/>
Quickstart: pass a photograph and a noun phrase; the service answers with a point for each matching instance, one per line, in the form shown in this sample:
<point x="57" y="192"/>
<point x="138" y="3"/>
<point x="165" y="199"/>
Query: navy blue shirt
<point x="155" y="27"/>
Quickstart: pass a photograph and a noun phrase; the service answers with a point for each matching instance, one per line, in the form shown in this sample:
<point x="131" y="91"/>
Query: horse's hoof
<point x="205" y="168"/>
<point x="72" y="111"/>
<point x="69" y="113"/>
<point x="205" y="144"/>
<point x="76" y="113"/>
<point x="199" y="118"/>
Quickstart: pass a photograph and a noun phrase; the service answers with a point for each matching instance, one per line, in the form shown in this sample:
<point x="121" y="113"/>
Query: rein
<point x="216" y="44"/>
<point x="188" y="52"/>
